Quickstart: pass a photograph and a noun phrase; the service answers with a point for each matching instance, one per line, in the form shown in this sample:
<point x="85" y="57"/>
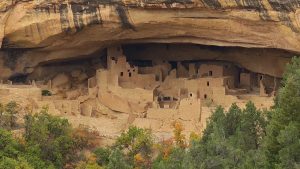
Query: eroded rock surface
<point x="49" y="30"/>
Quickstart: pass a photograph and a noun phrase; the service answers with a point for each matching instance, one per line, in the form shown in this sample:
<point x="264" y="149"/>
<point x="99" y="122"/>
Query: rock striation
<point x="33" y="32"/>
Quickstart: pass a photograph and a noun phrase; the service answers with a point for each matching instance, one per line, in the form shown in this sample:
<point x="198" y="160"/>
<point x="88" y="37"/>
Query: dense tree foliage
<point x="8" y="114"/>
<point x="283" y="131"/>
<point x="133" y="149"/>
<point x="48" y="142"/>
<point x="229" y="139"/>
<point x="50" y="137"/>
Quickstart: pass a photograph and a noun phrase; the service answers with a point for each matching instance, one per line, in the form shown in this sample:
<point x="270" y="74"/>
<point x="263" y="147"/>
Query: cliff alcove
<point x="145" y="63"/>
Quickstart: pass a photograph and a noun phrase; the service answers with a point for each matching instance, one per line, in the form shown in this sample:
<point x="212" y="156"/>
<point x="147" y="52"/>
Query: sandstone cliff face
<point x="33" y="32"/>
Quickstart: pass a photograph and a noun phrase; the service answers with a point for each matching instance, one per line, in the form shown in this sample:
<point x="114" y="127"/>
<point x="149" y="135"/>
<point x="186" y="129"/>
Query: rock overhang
<point x="50" y="30"/>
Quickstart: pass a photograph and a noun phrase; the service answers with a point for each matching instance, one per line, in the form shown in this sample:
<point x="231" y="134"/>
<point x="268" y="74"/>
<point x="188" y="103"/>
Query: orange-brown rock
<point x="34" y="32"/>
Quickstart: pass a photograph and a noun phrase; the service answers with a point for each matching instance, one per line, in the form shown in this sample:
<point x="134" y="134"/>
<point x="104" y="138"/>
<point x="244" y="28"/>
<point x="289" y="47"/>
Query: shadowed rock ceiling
<point x="34" y="32"/>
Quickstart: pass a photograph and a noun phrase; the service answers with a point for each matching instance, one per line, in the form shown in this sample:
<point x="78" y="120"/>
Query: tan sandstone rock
<point x="49" y="30"/>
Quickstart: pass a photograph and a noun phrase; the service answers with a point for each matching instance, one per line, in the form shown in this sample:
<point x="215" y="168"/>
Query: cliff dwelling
<point x="150" y="85"/>
<point x="112" y="64"/>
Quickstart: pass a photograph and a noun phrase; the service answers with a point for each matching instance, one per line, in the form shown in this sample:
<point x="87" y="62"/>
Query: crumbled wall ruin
<point x="178" y="59"/>
<point x="121" y="90"/>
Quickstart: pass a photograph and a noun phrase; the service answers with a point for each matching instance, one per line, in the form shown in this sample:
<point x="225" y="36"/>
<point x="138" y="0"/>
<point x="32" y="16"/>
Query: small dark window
<point x="207" y="83"/>
<point x="261" y="77"/>
<point x="191" y="94"/>
<point x="205" y="96"/>
<point x="157" y="78"/>
<point x="167" y="98"/>
<point x="210" y="73"/>
<point x="129" y="74"/>
<point x="121" y="74"/>
<point x="134" y="70"/>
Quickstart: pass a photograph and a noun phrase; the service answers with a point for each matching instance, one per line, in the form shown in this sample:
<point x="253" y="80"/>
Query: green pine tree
<point x="282" y="143"/>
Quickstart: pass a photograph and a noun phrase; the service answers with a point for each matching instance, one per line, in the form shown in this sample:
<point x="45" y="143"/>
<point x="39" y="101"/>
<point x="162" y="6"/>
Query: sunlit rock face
<point x="34" y="32"/>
